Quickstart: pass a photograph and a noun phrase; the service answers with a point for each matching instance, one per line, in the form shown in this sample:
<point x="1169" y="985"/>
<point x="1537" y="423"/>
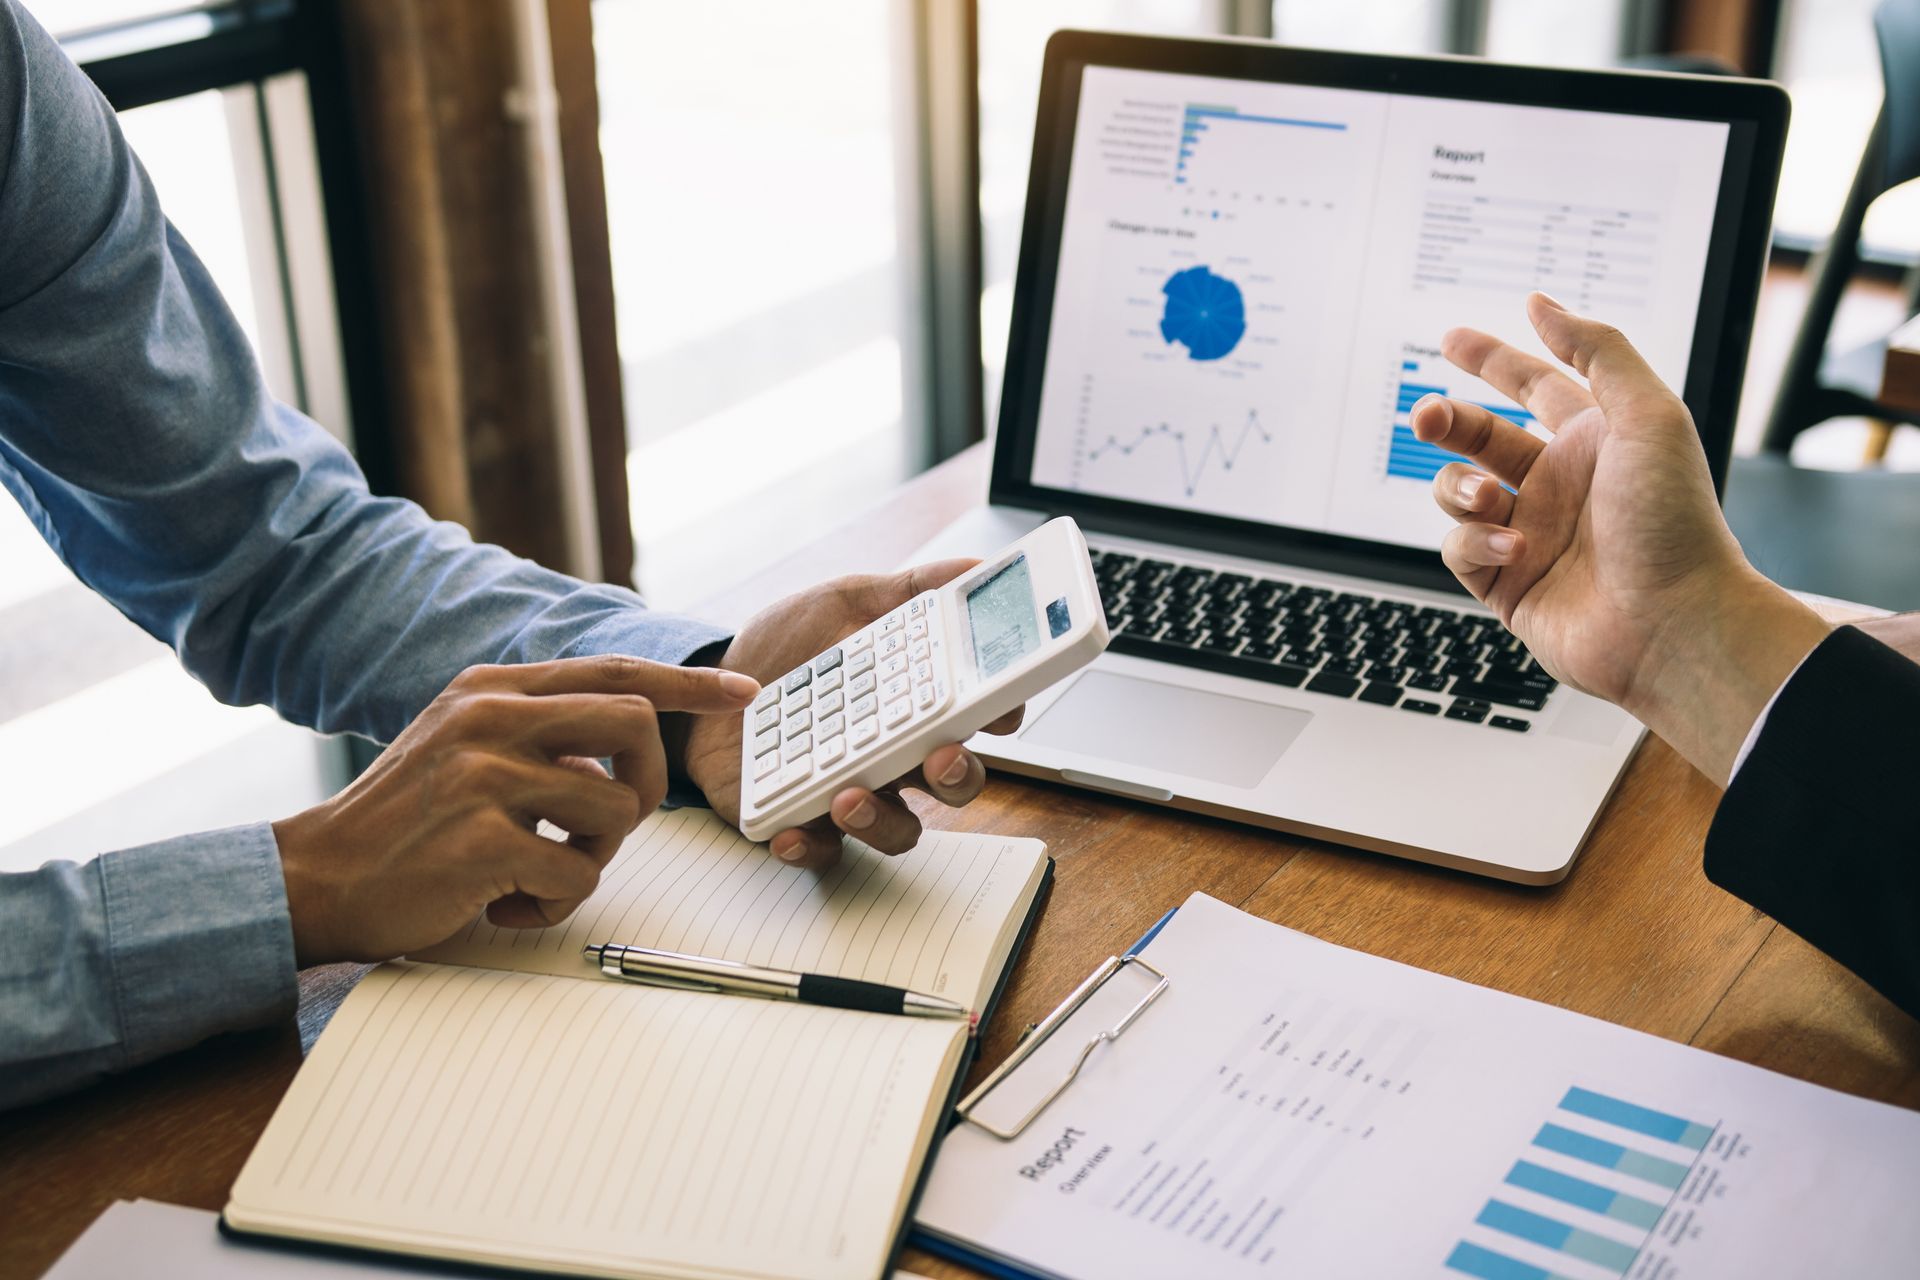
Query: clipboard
<point x="1031" y="1039"/>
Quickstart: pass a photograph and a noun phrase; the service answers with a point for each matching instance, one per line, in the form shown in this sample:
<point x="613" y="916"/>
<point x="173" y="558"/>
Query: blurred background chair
<point x="1851" y="534"/>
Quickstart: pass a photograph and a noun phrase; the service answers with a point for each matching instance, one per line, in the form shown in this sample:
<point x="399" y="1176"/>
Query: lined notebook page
<point x="599" y="1126"/>
<point x="685" y="881"/>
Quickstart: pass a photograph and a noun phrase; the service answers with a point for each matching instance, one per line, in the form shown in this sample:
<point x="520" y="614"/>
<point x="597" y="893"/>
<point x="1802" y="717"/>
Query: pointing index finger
<point x="668" y="687"/>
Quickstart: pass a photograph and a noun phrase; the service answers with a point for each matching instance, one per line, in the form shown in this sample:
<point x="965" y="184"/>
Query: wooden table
<point x="1635" y="935"/>
<point x="1900" y="376"/>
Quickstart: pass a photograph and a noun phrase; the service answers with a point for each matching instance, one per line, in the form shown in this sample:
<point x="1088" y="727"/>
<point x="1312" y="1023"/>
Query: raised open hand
<point x="1603" y="548"/>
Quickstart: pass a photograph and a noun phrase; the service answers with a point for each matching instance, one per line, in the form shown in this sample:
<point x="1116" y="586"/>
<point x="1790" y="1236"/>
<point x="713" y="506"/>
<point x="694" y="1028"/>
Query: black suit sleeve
<point x="1819" y="828"/>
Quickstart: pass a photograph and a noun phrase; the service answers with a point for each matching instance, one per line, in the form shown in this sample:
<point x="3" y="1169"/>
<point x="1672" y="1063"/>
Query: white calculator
<point x="935" y="670"/>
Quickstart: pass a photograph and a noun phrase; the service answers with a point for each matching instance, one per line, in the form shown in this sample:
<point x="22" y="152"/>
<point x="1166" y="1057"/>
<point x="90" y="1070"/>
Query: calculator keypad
<point x="847" y="702"/>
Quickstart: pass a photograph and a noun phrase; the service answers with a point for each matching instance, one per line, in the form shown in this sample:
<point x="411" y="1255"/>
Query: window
<point x="1013" y="39"/>
<point x="1830" y="63"/>
<point x="751" y="155"/>
<point x="1370" y="26"/>
<point x="1572" y="33"/>
<point x="105" y="741"/>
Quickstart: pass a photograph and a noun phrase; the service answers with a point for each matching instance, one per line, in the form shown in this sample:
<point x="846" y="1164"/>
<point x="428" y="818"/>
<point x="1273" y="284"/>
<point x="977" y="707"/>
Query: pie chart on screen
<point x="1204" y="313"/>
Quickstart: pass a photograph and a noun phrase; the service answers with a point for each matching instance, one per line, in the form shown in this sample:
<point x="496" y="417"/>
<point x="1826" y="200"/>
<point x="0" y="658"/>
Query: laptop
<point x="1238" y="261"/>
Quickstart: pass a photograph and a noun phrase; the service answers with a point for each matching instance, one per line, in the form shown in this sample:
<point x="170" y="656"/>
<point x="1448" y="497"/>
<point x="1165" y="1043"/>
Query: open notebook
<point x="497" y="1100"/>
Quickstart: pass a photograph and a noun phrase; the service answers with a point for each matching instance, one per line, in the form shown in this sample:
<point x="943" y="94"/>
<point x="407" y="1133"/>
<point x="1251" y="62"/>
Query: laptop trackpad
<point x="1164" y="726"/>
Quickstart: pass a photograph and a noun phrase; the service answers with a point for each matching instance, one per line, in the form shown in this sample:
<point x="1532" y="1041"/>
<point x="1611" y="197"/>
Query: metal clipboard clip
<point x="1037" y="1034"/>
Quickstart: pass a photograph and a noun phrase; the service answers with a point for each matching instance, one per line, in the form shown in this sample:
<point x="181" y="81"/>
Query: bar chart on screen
<point x="1608" y="1187"/>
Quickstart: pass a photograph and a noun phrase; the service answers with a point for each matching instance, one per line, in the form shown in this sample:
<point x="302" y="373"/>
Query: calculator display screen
<point x="1001" y="616"/>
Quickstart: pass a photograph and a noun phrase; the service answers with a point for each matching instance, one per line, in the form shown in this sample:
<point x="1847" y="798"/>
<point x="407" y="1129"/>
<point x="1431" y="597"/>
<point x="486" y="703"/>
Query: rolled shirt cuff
<point x="198" y="939"/>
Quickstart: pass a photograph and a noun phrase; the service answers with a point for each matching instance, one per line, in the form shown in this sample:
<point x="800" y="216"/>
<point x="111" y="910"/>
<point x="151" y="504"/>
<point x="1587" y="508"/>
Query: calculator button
<point x="828" y="705"/>
<point x="864" y="730"/>
<point x="765" y="742"/>
<point x="855" y="645"/>
<point x="799" y="678"/>
<point x="859" y="662"/>
<point x="799" y="701"/>
<point x="921" y="651"/>
<point x="827" y="661"/>
<point x="892" y="644"/>
<point x="797" y="723"/>
<point x="897" y="712"/>
<point x="864" y="708"/>
<point x="798" y="746"/>
<point x="894" y="666"/>
<point x="769" y="696"/>
<point x="894" y="688"/>
<point x="892" y="623"/>
<point x="923" y="696"/>
<point x="796" y="771"/>
<point x="922" y="672"/>
<point x="766" y="764"/>
<point x="829" y="727"/>
<point x="917" y="630"/>
<point x="862" y="685"/>
<point x="768" y="717"/>
<point x="916" y="606"/>
<point x="831" y="753"/>
<point x="827" y="683"/>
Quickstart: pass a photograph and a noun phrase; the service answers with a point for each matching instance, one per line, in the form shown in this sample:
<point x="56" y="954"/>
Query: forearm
<point x="1716" y="661"/>
<point x="138" y="953"/>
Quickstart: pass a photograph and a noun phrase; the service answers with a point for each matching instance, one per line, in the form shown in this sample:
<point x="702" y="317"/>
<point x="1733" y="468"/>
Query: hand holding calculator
<point x="933" y="671"/>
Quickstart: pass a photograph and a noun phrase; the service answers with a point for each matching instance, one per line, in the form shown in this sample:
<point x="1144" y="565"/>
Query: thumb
<point x="882" y="592"/>
<point x="1627" y="389"/>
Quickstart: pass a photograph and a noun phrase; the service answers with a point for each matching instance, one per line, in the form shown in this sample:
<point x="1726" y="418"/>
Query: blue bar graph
<point x="1194" y="123"/>
<point x="1602" y="1251"/>
<point x="1409" y="457"/>
<point x="1470" y="1259"/>
<point x="1619" y="1222"/>
<point x="1585" y="1195"/>
<point x="1611" y="1155"/>
<point x="1655" y="1124"/>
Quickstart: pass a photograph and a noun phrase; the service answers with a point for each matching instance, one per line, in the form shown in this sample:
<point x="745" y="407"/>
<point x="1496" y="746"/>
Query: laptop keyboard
<point x="1428" y="661"/>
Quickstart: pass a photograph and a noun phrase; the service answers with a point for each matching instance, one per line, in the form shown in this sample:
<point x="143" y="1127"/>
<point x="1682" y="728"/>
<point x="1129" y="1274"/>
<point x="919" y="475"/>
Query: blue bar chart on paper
<point x="1588" y="1196"/>
<point x="1409" y="458"/>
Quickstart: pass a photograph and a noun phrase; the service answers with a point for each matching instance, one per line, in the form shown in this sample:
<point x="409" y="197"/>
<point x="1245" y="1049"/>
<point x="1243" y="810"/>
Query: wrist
<point x="1716" y="662"/>
<point x="310" y="897"/>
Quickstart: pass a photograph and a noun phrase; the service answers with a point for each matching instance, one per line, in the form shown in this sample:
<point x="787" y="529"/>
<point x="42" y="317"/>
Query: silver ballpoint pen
<point x="701" y="973"/>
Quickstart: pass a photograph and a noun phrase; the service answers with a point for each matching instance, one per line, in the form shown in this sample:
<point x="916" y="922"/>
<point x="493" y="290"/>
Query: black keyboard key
<point x="1338" y="686"/>
<point x="1343" y="666"/>
<point x="1221" y="642"/>
<point x="1180" y="633"/>
<point x="1261" y="650"/>
<point x="1427" y="680"/>
<point x="1471" y="712"/>
<point x="1386" y="673"/>
<point x="1206" y="660"/>
<point x="1424" y="708"/>
<point x="1514" y="723"/>
<point x="1509" y="695"/>
<point x="1381" y="692"/>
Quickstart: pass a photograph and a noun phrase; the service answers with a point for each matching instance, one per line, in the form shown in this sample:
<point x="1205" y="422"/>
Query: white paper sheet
<point x="1292" y="1108"/>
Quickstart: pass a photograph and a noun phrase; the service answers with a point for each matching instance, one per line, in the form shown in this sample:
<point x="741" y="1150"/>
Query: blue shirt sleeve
<point x="137" y="433"/>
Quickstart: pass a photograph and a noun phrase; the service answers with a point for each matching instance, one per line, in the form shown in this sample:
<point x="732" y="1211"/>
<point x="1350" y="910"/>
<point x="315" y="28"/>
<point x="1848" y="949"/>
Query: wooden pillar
<point x="469" y="365"/>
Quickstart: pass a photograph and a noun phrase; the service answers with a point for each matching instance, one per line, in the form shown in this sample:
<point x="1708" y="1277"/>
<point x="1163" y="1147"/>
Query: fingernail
<point x="1470" y="486"/>
<point x="1502" y="544"/>
<point x="861" y="816"/>
<point x="792" y="851"/>
<point x="735" y="685"/>
<point x="956" y="772"/>
<point x="1549" y="299"/>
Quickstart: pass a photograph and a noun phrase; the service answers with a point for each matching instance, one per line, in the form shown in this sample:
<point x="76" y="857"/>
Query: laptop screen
<point x="1253" y="279"/>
